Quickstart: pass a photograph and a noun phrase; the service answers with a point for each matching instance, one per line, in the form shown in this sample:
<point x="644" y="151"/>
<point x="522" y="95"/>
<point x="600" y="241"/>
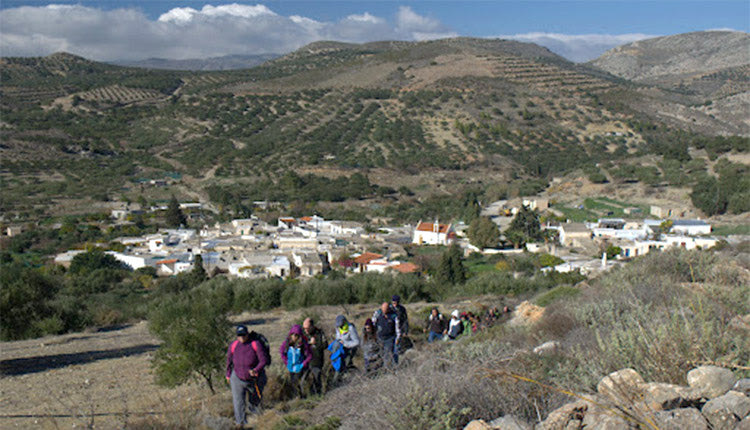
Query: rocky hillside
<point x="680" y="55"/>
<point x="227" y="62"/>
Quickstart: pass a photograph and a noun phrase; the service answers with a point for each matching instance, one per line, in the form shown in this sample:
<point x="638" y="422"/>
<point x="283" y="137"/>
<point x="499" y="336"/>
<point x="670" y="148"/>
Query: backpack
<point x="257" y="338"/>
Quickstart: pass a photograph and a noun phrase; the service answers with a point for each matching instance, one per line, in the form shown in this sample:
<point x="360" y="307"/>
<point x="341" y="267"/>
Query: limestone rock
<point x="565" y="416"/>
<point x="604" y="421"/>
<point x="547" y="348"/>
<point x="726" y="411"/>
<point x="509" y="422"/>
<point x="478" y="425"/>
<point x="742" y="386"/>
<point x="711" y="381"/>
<point x="660" y="396"/>
<point x="621" y="386"/>
<point x="680" y="419"/>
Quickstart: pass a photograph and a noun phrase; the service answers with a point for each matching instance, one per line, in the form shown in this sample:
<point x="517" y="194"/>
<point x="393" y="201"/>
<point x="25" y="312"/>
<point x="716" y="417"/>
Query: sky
<point x="111" y="30"/>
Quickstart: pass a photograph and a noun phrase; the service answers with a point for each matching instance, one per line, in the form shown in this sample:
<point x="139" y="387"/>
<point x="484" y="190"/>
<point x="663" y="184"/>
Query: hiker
<point x="455" y="327"/>
<point x="346" y="333"/>
<point x="435" y="325"/>
<point x="371" y="347"/>
<point x="401" y="313"/>
<point x="389" y="334"/>
<point x="491" y="316"/>
<point x="296" y="354"/>
<point x="476" y="322"/>
<point x="466" y="323"/>
<point x="318" y="343"/>
<point x="246" y="374"/>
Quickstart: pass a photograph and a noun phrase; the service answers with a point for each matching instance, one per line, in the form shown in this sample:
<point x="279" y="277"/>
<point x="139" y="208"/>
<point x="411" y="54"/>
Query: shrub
<point x="557" y="293"/>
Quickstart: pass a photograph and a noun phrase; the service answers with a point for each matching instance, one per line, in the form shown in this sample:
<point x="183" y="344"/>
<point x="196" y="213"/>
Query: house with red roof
<point x="428" y="233"/>
<point x="361" y="262"/>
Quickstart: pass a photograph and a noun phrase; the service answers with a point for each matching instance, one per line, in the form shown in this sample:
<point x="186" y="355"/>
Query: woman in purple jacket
<point x="296" y="354"/>
<point x="246" y="362"/>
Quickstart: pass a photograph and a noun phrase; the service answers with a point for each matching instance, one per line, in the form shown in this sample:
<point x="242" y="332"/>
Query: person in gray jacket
<point x="346" y="333"/>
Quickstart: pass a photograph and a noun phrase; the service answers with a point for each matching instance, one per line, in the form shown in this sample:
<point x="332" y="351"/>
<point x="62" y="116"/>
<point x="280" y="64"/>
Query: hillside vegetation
<point x="76" y="130"/>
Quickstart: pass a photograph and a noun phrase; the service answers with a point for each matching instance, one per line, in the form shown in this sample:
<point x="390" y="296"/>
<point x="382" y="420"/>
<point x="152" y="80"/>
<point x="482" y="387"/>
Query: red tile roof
<point x="306" y="218"/>
<point x="406" y="268"/>
<point x="170" y="261"/>
<point x="367" y="257"/>
<point x="287" y="219"/>
<point x="428" y="226"/>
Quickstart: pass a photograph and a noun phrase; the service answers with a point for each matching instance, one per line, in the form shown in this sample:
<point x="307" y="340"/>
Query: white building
<point x="691" y="227"/>
<point x="427" y="233"/>
<point x="135" y="261"/>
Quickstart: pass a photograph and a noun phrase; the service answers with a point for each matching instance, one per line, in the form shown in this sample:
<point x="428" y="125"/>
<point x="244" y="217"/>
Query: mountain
<point x="678" y="56"/>
<point x="436" y="115"/>
<point x="227" y="62"/>
<point x="706" y="73"/>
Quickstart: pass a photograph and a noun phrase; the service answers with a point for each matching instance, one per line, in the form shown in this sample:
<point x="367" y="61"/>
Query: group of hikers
<point x="303" y="351"/>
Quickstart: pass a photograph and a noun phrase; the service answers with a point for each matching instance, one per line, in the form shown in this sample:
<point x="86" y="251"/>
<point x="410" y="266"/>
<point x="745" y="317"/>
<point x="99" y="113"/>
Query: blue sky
<point x="128" y="29"/>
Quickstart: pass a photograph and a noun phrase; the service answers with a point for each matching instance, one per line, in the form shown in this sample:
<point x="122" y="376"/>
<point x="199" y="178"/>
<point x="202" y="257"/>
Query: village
<point x="309" y="246"/>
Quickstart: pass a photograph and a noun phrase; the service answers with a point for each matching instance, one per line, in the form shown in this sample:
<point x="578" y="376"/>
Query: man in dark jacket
<point x="387" y="327"/>
<point x="436" y="326"/>
<point x="246" y="362"/>
<point x="400" y="311"/>
<point x="318" y="342"/>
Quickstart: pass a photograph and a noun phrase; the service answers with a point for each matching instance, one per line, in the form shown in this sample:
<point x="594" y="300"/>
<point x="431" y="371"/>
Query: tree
<point x="87" y="262"/>
<point x="451" y="269"/>
<point x="193" y="329"/>
<point x="198" y="274"/>
<point x="174" y="215"/>
<point x="525" y="227"/>
<point x="483" y="233"/>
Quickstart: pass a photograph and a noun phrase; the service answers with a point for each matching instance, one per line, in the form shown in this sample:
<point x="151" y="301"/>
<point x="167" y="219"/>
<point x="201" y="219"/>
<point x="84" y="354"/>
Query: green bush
<point x="555" y="294"/>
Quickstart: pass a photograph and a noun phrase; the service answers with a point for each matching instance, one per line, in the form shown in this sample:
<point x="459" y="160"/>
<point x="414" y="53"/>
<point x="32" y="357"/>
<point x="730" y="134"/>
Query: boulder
<point x="478" y="425"/>
<point x="509" y="422"/>
<point x="726" y="411"/>
<point x="744" y="424"/>
<point x="680" y="419"/>
<point x="711" y="381"/>
<point x="742" y="386"/>
<point x="605" y="421"/>
<point x="567" y="415"/>
<point x="623" y="386"/>
<point x="658" y="396"/>
<point x="547" y="348"/>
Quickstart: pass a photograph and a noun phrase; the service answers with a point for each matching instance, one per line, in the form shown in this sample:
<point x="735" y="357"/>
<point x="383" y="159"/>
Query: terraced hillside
<point x="480" y="110"/>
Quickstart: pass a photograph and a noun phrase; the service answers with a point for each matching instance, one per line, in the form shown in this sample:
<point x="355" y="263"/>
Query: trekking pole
<point x="257" y="390"/>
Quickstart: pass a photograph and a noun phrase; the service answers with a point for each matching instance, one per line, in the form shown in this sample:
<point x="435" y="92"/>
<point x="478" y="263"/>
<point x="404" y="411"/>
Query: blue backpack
<point x="338" y="353"/>
<point x="294" y="359"/>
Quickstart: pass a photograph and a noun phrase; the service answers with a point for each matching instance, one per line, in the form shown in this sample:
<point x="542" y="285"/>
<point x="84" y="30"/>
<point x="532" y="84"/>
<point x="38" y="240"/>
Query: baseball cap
<point x="241" y="330"/>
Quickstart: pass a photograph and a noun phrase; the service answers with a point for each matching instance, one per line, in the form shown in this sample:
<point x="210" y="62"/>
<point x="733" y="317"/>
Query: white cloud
<point x="420" y="27"/>
<point x="578" y="47"/>
<point x="186" y="32"/>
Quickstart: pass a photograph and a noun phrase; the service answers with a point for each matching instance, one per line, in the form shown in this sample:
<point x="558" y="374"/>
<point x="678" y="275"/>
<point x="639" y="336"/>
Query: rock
<point x="478" y="425"/>
<point x="711" y="381"/>
<point x="744" y="424"/>
<point x="680" y="419"/>
<point x="566" y="415"/>
<point x="621" y="386"/>
<point x="726" y="411"/>
<point x="658" y="396"/>
<point x="742" y="386"/>
<point x="547" y="348"/>
<point x="509" y="422"/>
<point x="604" y="421"/>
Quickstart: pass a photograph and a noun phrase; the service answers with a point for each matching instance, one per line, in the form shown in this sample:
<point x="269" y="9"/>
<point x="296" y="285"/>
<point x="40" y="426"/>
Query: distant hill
<point x="451" y="112"/>
<point x="227" y="62"/>
<point x="680" y="55"/>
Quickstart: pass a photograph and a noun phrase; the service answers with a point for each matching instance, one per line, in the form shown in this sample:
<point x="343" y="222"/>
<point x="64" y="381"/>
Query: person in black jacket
<point x="388" y="330"/>
<point x="436" y="326"/>
<point x="318" y="342"/>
